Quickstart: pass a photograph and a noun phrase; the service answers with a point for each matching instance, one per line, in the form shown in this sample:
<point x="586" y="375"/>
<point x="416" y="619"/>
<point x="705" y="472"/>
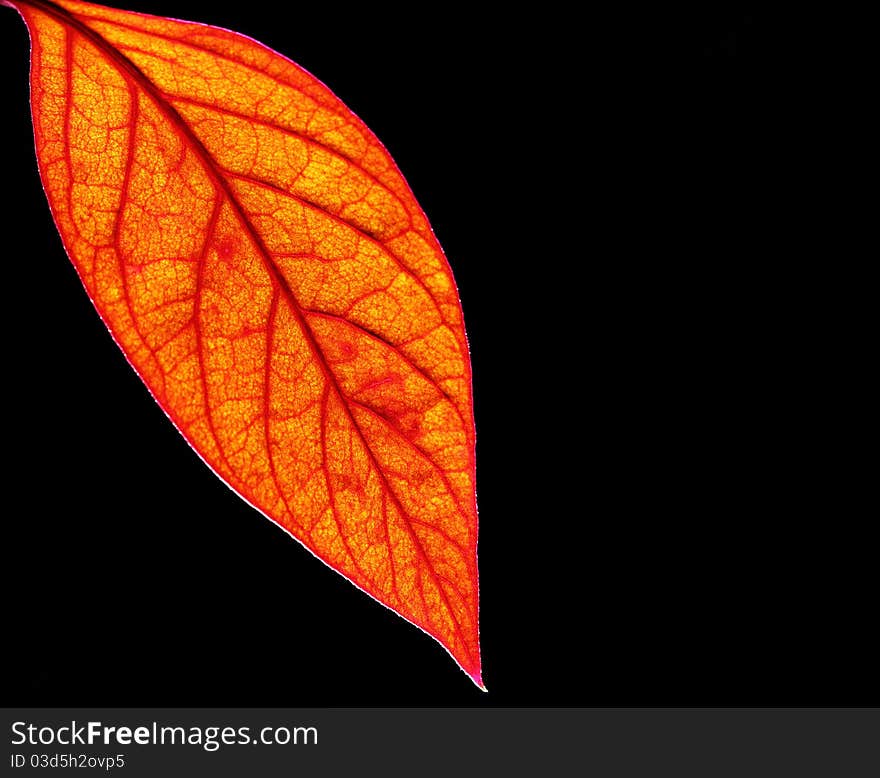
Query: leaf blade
<point x="271" y="280"/>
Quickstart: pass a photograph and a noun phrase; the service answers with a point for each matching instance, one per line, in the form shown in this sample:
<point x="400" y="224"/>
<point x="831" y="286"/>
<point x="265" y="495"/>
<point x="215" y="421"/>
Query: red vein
<point x="210" y="168"/>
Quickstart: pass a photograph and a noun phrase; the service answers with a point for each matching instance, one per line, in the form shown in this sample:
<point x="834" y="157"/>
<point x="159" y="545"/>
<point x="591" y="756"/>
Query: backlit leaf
<point x="263" y="265"/>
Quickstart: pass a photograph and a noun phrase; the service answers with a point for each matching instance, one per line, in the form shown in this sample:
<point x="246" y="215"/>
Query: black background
<point x="652" y="529"/>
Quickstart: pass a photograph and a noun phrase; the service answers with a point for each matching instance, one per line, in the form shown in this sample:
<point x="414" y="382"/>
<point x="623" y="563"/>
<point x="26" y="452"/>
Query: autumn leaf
<point x="266" y="270"/>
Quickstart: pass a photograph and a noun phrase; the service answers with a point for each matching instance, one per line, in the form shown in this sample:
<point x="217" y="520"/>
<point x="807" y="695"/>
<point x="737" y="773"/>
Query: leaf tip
<point x="477" y="678"/>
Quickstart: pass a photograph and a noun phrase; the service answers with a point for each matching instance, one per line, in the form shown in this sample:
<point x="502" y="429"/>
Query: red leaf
<point x="261" y="262"/>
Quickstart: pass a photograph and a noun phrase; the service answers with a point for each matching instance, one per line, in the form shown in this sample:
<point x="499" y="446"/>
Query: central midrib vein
<point x="64" y="17"/>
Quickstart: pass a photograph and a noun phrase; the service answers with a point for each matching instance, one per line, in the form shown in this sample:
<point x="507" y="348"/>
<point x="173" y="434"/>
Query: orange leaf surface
<point x="263" y="265"/>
